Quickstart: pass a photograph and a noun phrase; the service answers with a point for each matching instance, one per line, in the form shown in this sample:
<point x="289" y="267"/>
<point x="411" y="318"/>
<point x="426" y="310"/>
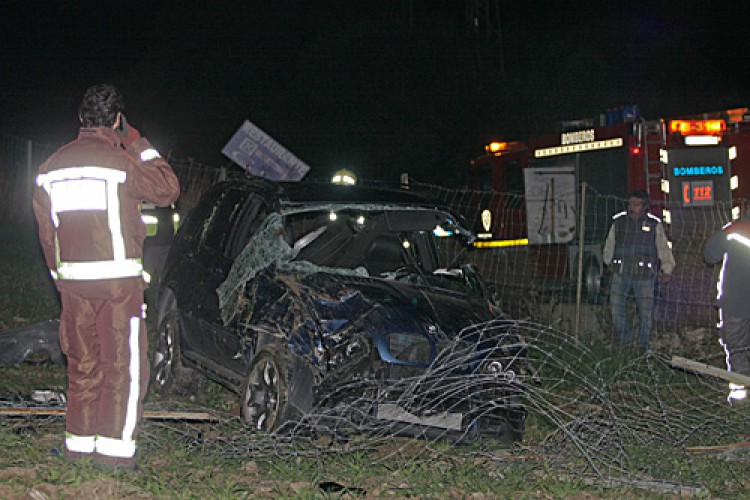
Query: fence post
<point x="579" y="277"/>
<point x="23" y="199"/>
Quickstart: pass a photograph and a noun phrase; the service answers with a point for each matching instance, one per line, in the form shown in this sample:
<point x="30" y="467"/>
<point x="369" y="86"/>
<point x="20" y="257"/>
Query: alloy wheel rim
<point x="165" y="355"/>
<point x="262" y="396"/>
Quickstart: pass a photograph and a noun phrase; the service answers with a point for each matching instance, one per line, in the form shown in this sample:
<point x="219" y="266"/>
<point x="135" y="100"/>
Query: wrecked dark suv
<point x="338" y="308"/>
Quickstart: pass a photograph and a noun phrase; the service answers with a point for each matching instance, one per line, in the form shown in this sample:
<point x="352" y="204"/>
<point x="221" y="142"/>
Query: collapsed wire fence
<point x="627" y="420"/>
<point x="595" y="411"/>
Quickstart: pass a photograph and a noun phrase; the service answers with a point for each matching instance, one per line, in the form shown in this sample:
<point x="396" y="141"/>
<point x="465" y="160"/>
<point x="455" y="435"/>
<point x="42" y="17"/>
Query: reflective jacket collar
<point x="106" y="133"/>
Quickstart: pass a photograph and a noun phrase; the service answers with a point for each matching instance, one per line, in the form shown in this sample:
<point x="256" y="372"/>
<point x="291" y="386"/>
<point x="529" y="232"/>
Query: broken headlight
<point x="409" y="348"/>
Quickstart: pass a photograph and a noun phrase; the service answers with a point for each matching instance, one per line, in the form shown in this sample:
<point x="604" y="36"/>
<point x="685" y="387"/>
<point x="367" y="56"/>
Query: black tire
<point x="592" y="281"/>
<point x="265" y="394"/>
<point x="168" y="373"/>
<point x="516" y="427"/>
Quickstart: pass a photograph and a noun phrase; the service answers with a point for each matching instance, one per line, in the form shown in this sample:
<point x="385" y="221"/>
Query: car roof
<point x="321" y="192"/>
<point x="303" y="193"/>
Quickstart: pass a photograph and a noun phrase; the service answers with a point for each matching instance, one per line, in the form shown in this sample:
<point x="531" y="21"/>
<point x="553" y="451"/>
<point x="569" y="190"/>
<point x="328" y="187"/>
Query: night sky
<point x="380" y="87"/>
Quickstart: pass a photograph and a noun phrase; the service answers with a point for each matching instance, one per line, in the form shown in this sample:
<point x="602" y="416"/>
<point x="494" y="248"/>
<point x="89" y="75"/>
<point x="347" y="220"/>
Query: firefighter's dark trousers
<point x="103" y="335"/>
<point x="735" y="337"/>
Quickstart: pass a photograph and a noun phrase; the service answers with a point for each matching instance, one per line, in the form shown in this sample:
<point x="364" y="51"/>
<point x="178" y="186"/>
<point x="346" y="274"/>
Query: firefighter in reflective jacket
<point x="731" y="247"/>
<point x="90" y="229"/>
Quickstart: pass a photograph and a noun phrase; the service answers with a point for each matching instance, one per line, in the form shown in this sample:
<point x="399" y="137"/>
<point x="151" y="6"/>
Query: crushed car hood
<point x="428" y="305"/>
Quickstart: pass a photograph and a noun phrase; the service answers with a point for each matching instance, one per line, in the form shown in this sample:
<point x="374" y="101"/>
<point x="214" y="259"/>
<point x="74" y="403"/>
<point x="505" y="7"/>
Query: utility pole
<point x="483" y="19"/>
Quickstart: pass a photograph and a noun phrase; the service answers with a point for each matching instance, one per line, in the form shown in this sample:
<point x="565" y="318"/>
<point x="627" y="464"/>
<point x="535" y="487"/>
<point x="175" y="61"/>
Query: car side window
<point x="249" y="219"/>
<point x="222" y="218"/>
<point x="193" y="227"/>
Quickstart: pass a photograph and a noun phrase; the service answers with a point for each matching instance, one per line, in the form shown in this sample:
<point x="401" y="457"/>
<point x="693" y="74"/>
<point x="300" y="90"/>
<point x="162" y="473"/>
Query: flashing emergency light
<point x="735" y="213"/>
<point x="697" y="127"/>
<point x="736" y="115"/>
<point x="734" y="182"/>
<point x="498" y="147"/>
<point x="344" y="177"/>
<point x="635" y="150"/>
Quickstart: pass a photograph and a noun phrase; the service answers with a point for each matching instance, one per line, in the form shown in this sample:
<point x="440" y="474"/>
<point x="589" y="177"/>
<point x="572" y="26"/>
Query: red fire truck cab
<point x="555" y="194"/>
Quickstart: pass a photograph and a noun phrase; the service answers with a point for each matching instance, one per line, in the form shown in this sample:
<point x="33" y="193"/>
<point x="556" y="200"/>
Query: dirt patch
<point x="23" y="483"/>
<point x="94" y="489"/>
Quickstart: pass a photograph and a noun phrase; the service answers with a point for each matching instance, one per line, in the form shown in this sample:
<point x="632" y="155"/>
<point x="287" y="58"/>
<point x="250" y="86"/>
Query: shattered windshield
<point x="376" y="241"/>
<point x="407" y="244"/>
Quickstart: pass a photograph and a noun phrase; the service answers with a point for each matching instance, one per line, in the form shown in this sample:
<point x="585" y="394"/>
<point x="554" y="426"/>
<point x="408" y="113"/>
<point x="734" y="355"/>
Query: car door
<point x="230" y="343"/>
<point x="207" y="264"/>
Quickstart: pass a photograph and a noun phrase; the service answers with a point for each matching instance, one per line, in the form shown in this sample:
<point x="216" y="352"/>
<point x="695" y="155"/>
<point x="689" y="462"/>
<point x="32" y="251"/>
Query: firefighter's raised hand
<point x="128" y="133"/>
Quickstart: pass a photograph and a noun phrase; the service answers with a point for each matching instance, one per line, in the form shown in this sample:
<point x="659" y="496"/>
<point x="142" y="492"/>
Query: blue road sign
<point x="258" y="153"/>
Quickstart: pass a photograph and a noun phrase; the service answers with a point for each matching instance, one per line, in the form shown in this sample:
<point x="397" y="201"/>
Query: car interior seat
<point x="384" y="254"/>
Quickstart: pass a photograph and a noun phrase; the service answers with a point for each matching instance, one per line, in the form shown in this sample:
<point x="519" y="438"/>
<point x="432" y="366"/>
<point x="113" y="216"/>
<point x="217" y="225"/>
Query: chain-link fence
<point x="20" y="159"/>
<point x="595" y="414"/>
<point x="556" y="284"/>
<point x="548" y="283"/>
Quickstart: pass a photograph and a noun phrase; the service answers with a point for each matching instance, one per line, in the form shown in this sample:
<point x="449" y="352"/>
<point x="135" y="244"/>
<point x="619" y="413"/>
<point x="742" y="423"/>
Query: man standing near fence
<point x="731" y="247"/>
<point x="87" y="207"/>
<point x="636" y="252"/>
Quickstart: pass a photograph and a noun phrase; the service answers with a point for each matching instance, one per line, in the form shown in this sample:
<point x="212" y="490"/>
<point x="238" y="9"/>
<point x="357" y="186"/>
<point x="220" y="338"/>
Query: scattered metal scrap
<point x="31" y="342"/>
<point x="58" y="411"/>
<point x="713" y="371"/>
<point x="657" y="486"/>
<point x="47" y="403"/>
<point x="743" y="446"/>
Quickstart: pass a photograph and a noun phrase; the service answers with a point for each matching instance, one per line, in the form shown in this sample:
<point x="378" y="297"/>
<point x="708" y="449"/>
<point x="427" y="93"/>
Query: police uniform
<point x="86" y="204"/>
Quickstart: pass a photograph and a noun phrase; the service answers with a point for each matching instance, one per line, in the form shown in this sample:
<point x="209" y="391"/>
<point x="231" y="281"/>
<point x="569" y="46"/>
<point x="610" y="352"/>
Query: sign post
<point x="258" y="153"/>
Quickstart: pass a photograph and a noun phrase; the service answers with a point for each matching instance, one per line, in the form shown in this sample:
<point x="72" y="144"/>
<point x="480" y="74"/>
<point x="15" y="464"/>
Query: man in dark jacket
<point x="637" y="252"/>
<point x="731" y="247"/>
<point x="86" y="204"/>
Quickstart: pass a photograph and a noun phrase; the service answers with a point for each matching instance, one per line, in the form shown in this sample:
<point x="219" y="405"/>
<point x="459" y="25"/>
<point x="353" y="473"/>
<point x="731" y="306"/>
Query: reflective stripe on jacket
<point x="638" y="248"/>
<point x="731" y="247"/>
<point x="86" y="203"/>
<point x="89" y="189"/>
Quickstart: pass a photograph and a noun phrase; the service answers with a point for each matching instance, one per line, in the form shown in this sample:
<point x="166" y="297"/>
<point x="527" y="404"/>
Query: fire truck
<point x="554" y="194"/>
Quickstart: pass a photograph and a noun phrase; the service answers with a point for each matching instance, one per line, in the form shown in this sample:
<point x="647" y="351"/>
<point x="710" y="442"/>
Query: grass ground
<point x="220" y="460"/>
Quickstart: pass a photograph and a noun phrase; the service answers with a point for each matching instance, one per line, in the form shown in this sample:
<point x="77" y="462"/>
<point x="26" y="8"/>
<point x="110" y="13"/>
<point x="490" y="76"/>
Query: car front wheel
<point x="265" y="395"/>
<point x="168" y="374"/>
